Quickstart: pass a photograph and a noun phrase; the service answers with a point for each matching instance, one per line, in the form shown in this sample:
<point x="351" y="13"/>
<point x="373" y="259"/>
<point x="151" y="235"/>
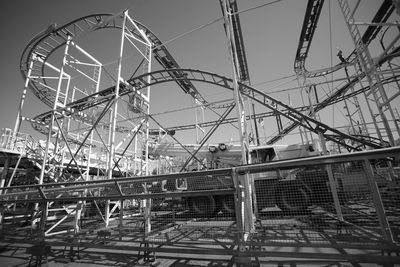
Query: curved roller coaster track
<point x="46" y="43"/>
<point x="137" y="83"/>
<point x="99" y="142"/>
<point x="313" y="12"/>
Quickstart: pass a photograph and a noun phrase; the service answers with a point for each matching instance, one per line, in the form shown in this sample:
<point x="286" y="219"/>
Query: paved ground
<point x="13" y="255"/>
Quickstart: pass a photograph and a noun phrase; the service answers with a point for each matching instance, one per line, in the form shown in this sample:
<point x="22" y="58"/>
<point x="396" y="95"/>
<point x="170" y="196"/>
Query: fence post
<point x="244" y="216"/>
<point x="244" y="209"/>
<point x="2" y="183"/>
<point x="238" y="204"/>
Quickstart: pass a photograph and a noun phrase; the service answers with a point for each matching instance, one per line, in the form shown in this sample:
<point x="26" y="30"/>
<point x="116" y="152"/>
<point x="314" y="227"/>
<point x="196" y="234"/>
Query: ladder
<point x="376" y="94"/>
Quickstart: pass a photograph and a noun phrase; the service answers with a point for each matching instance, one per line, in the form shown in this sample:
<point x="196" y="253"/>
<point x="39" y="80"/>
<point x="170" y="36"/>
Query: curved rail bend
<point x="311" y="18"/>
<point x="137" y="83"/>
<point x="47" y="42"/>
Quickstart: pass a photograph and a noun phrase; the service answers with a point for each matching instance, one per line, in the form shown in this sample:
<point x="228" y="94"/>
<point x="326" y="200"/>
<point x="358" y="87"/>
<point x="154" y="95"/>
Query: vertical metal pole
<point x="252" y="134"/>
<point x="78" y="213"/>
<point x="196" y="120"/>
<point x="45" y="209"/>
<point x="244" y="180"/>
<point x="239" y="207"/>
<point x="114" y="113"/>
<point x="302" y="86"/>
<point x="146" y="104"/>
<point x="121" y="217"/>
<point x="55" y="105"/>
<point x="148" y="201"/>
<point x="253" y="111"/>
<point x="2" y="182"/>
<point x="116" y="97"/>
<point x="264" y="131"/>
<point x="23" y="96"/>
<point x="199" y="113"/>
<point x="135" y="145"/>
<point x="4" y="172"/>
<point x="108" y="159"/>
<point x="48" y="141"/>
<point x="332" y="182"/>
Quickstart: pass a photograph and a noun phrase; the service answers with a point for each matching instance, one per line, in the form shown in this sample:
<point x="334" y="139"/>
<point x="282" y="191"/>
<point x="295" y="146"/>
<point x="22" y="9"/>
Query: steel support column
<point x="244" y="179"/>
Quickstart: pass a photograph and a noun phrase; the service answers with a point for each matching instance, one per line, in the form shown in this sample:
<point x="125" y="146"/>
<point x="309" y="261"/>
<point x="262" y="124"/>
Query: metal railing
<point x="295" y="205"/>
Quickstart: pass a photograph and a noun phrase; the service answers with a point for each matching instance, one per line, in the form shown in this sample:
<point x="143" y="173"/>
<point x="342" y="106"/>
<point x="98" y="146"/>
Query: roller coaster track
<point x="312" y="14"/>
<point x="135" y="84"/>
<point x="311" y="18"/>
<point x="240" y="51"/>
<point x="47" y="42"/>
<point x="53" y="38"/>
<point x="339" y="95"/>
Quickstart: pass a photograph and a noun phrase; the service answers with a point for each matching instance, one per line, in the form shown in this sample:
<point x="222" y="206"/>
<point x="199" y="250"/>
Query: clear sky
<point x="271" y="35"/>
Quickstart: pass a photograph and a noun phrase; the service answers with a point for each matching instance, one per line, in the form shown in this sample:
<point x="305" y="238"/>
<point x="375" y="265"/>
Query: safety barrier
<point x="344" y="201"/>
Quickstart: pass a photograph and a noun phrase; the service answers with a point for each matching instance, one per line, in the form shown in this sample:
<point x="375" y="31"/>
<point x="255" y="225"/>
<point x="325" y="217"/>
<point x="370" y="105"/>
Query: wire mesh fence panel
<point x="322" y="204"/>
<point x="193" y="208"/>
<point x="360" y="221"/>
<point x="292" y="203"/>
<point x="339" y="202"/>
<point x="387" y="176"/>
<point x="187" y="208"/>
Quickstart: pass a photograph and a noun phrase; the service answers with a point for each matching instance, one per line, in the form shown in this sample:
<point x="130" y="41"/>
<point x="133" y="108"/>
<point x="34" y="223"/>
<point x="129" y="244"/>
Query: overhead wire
<point x="215" y="20"/>
<point x="256" y="7"/>
<point x="194" y="30"/>
<point x="274" y="80"/>
<point x="278" y="85"/>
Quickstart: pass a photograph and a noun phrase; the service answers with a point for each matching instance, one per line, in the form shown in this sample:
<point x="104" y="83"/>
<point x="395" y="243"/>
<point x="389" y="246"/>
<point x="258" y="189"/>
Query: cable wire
<point x="213" y="21"/>
<point x="256" y="7"/>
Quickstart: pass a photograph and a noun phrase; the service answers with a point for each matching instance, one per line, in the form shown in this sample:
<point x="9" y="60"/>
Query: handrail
<point x="20" y="192"/>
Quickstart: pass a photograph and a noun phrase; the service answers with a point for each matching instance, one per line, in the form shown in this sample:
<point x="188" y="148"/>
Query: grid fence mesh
<point x="327" y="204"/>
<point x="193" y="208"/>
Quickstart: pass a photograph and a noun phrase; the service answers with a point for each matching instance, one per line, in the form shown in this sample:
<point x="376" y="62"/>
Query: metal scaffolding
<point x="104" y="175"/>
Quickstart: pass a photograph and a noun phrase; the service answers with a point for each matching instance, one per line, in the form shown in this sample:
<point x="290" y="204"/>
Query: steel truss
<point x="88" y="155"/>
<point x="78" y="148"/>
<point x="157" y="77"/>
<point x="352" y="107"/>
<point x="377" y="95"/>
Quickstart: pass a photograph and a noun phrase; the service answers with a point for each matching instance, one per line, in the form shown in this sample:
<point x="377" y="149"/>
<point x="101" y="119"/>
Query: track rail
<point x="47" y="42"/>
<point x="240" y="50"/>
<point x="310" y="22"/>
<point x="157" y="77"/>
